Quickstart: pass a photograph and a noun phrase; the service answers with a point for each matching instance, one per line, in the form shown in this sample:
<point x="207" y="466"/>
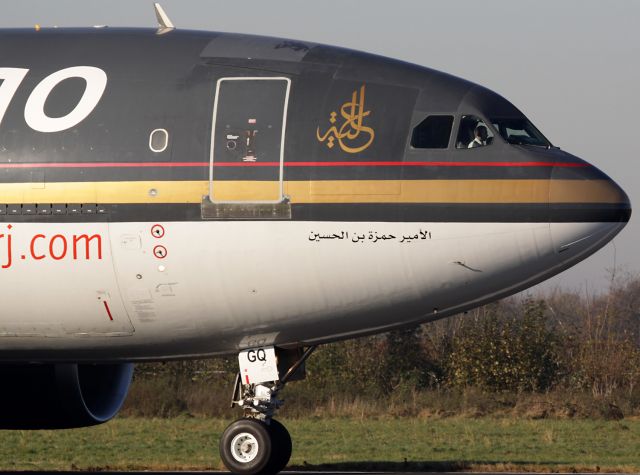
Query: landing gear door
<point x="247" y="140"/>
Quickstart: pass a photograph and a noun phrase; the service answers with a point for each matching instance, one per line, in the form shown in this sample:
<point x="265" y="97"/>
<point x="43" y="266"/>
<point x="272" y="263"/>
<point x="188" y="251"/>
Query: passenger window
<point x="432" y="132"/>
<point x="158" y="140"/>
<point x="473" y="132"/>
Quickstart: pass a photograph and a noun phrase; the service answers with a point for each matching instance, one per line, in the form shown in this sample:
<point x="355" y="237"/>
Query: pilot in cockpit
<point x="473" y="132"/>
<point x="480" y="137"/>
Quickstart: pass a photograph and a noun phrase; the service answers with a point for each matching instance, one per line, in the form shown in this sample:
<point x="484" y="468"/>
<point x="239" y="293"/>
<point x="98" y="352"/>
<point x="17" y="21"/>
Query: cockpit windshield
<point x="519" y="131"/>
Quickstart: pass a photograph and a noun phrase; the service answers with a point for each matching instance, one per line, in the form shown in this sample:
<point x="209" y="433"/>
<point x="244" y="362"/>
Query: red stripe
<point x="106" y="306"/>
<point x="435" y="164"/>
<point x="106" y="165"/>
<point x="291" y="164"/>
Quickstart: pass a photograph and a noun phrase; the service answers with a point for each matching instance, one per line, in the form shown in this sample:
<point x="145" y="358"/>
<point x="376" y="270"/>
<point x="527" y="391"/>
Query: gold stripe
<point x="337" y="191"/>
<point x="431" y="191"/>
<point x="586" y="191"/>
<point x="105" y="192"/>
<point x="246" y="191"/>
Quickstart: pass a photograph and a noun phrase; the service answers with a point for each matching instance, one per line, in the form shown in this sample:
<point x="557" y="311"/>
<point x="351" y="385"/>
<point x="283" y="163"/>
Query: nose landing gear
<point x="257" y="444"/>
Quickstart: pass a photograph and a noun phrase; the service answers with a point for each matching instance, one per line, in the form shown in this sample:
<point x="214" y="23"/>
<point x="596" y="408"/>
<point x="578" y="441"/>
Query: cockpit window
<point x="432" y="132"/>
<point x="473" y="132"/>
<point x="519" y="131"/>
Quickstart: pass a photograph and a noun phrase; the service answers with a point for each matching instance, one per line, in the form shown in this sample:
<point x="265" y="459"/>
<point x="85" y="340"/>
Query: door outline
<point x="282" y="139"/>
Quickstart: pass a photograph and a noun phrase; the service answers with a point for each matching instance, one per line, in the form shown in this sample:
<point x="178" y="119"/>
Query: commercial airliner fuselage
<point x="191" y="194"/>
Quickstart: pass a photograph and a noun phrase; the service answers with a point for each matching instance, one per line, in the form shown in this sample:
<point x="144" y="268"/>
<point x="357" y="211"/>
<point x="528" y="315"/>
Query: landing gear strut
<point x="257" y="444"/>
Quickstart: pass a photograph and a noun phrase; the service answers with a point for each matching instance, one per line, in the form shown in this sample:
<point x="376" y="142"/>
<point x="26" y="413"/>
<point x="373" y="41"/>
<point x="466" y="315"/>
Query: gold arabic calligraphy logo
<point x="349" y="133"/>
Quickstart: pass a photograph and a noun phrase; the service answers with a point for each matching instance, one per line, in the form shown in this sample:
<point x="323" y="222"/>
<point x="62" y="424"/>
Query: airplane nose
<point x="587" y="209"/>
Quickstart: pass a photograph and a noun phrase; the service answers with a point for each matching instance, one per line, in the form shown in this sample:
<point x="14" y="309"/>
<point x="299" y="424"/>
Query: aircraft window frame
<point x="480" y="120"/>
<point x="498" y="122"/>
<point x="413" y="137"/>
<point x="151" y="140"/>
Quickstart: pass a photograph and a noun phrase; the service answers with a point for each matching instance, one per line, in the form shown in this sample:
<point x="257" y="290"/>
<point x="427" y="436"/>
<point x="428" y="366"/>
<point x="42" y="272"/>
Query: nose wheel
<point x="251" y="447"/>
<point x="257" y="444"/>
<point x="245" y="446"/>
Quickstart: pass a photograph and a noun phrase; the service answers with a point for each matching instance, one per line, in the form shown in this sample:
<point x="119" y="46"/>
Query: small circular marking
<point x="138" y="276"/>
<point x="157" y="231"/>
<point x="153" y="192"/>
<point x="162" y="268"/>
<point x="160" y="252"/>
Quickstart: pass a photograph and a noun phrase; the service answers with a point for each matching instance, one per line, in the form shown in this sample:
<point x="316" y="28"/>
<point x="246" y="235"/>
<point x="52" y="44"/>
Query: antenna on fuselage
<point x="165" y="25"/>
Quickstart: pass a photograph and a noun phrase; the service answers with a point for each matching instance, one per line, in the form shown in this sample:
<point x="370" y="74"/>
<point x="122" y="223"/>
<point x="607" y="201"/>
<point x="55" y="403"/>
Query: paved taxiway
<point x="303" y="473"/>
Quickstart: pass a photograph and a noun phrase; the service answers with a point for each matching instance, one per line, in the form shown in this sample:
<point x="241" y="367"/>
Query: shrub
<point x="506" y="352"/>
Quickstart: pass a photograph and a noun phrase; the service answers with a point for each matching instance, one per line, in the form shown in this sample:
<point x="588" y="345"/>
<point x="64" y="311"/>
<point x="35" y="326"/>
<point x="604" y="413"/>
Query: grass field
<point x="340" y="444"/>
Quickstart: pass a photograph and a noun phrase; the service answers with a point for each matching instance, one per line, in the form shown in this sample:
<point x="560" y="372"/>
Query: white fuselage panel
<point x="202" y="288"/>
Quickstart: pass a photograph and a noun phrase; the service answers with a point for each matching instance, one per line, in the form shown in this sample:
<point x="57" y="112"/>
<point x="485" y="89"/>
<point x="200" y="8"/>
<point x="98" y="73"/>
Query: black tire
<point x="245" y="447"/>
<point x="281" y="448"/>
